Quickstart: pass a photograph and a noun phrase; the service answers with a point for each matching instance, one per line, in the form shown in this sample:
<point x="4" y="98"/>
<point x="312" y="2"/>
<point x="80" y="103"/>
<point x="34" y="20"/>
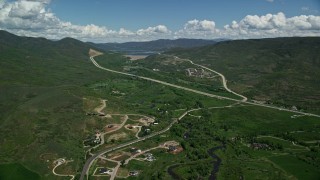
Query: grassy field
<point x="297" y="168"/>
<point x="16" y="171"/>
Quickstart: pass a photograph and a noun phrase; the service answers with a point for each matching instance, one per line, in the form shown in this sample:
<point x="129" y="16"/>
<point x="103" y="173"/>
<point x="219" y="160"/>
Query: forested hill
<point x="284" y="71"/>
<point x="42" y="83"/>
<point x="39" y="61"/>
<point x="154" y="46"/>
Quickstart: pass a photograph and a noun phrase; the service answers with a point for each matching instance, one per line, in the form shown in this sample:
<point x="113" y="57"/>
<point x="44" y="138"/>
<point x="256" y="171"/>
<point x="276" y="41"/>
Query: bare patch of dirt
<point x="177" y="151"/>
<point x="135" y="57"/>
<point x="111" y="127"/>
<point x="171" y="143"/>
<point x="117" y="136"/>
<point x="108" y="116"/>
<point x="93" y="53"/>
<point x="131" y="127"/>
<point x="146" y="121"/>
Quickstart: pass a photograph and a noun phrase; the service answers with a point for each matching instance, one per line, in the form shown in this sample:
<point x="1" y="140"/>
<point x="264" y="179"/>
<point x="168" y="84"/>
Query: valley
<point x="173" y="115"/>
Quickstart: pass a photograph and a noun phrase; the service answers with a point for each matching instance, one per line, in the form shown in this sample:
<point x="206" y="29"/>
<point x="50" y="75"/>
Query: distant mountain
<point x="66" y="46"/>
<point x="39" y="61"/>
<point x="151" y="47"/>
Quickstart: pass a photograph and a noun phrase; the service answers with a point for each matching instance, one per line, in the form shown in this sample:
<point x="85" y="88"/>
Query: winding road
<point x="89" y="161"/>
<point x="224" y="80"/>
<point x="244" y="100"/>
<point x="200" y="92"/>
<point x="62" y="175"/>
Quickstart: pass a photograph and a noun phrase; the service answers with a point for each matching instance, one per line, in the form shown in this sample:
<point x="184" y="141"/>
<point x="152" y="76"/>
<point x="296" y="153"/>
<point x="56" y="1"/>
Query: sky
<point x="143" y="20"/>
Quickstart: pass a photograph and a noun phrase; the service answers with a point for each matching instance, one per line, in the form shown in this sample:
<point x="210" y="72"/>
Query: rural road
<point x="62" y="175"/>
<point x="200" y="92"/>
<point x="89" y="161"/>
<point x="224" y="80"/>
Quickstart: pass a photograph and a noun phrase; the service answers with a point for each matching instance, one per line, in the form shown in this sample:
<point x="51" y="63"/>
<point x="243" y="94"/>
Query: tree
<point x="122" y="163"/>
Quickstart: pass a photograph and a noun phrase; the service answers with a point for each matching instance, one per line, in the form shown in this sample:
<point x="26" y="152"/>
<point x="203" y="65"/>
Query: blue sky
<point x="142" y="20"/>
<point x="136" y="14"/>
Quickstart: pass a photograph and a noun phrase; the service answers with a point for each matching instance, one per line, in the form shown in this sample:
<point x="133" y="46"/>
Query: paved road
<point x="224" y="80"/>
<point x="91" y="159"/>
<point x="200" y="92"/>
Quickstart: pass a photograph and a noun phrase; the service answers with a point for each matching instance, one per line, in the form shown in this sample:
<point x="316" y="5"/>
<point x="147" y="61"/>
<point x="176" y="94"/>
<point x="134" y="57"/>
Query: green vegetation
<point x="298" y="168"/>
<point x="41" y="110"/>
<point x="282" y="71"/>
<point x="48" y="88"/>
<point x="16" y="171"/>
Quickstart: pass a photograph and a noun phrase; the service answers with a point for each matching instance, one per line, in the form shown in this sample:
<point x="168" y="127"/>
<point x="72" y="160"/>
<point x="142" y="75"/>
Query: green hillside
<point x="50" y="93"/>
<point x="41" y="87"/>
<point x="282" y="71"/>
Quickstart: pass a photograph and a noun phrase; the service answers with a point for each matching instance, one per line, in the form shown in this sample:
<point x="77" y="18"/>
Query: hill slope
<point x="284" y="71"/>
<point x="41" y="105"/>
<point x="154" y="46"/>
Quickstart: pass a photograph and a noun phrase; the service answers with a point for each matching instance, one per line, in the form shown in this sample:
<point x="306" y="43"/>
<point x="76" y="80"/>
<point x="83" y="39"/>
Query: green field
<point x="297" y="168"/>
<point x="16" y="171"/>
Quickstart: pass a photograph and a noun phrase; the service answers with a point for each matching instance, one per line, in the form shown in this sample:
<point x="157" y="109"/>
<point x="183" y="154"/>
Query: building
<point x="195" y="72"/>
<point x="150" y="157"/>
<point x="172" y="148"/>
<point x="133" y="173"/>
<point x="105" y="171"/>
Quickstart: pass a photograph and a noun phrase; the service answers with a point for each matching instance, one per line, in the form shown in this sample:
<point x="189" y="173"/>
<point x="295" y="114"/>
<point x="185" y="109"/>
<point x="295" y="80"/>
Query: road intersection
<point x="244" y="101"/>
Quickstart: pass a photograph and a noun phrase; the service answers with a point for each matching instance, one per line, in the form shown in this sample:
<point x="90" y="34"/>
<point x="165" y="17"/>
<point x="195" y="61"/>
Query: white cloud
<point x="153" y="30"/>
<point x="32" y="18"/>
<point x="196" y="25"/>
<point x="270" y="0"/>
<point x="274" y="25"/>
<point x="124" y="32"/>
<point x="198" y="29"/>
<point x="26" y="9"/>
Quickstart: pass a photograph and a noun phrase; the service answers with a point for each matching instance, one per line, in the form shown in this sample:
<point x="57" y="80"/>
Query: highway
<point x="200" y="92"/>
<point x="94" y="157"/>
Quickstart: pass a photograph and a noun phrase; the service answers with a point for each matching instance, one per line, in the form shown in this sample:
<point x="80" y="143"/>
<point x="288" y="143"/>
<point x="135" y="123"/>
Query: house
<point x="148" y="154"/>
<point x="135" y="150"/>
<point x="294" y="108"/>
<point x="195" y="72"/>
<point x="172" y="148"/>
<point x="138" y="151"/>
<point x="105" y="171"/>
<point x="150" y="157"/>
<point x="97" y="137"/>
<point x="133" y="173"/>
<point x="259" y="146"/>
